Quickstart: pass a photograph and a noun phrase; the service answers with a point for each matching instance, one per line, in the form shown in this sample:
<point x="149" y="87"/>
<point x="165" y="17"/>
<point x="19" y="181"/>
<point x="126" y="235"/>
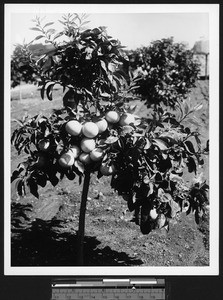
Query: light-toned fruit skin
<point x="153" y="214"/>
<point x="126" y="119"/>
<point x="75" y="151"/>
<point x="44" y="145"/>
<point x="102" y="125"/>
<point x="107" y="170"/>
<point x="73" y="127"/>
<point x="87" y="145"/>
<point x="112" y="116"/>
<point x="96" y="154"/>
<point x="90" y="130"/>
<point x="66" y="160"/>
<point x="85" y="158"/>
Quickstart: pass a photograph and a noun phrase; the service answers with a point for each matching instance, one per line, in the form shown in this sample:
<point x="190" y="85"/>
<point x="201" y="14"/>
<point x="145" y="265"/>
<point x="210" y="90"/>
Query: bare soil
<point x="44" y="230"/>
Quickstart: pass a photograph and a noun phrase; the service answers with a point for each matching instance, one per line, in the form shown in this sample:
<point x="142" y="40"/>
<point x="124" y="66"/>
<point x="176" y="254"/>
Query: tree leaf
<point x="189" y="147"/>
<point x="49" y="91"/>
<point x="127" y="129"/>
<point x="38" y="37"/>
<point x="175" y="208"/>
<point x="105" y="95"/>
<point x="69" y="99"/>
<point x="79" y="166"/>
<point x="35" y="29"/>
<point x="42" y="91"/>
<point x="51" y="31"/>
<point x="163" y="196"/>
<point x="186" y="108"/>
<point x="33" y="187"/>
<point x="197" y="217"/>
<point x="48" y="24"/>
<point x="191" y="165"/>
<point x="103" y="65"/>
<point x="54" y="180"/>
<point x="58" y="35"/>
<point x="70" y="174"/>
<point x="175" y="178"/>
<point x="148" y="144"/>
<point x="198" y="107"/>
<point x="111" y="139"/>
<point x="21" y="188"/>
<point x="160" y="144"/>
<point x="42" y="180"/>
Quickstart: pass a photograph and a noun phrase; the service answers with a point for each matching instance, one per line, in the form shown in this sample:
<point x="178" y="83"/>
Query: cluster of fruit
<point x="89" y="149"/>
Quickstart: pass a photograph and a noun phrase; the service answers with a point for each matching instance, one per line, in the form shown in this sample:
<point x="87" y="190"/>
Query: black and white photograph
<point x="111" y="128"/>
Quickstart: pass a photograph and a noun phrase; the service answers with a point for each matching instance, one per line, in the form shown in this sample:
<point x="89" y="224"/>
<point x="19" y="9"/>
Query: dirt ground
<point x="44" y="230"/>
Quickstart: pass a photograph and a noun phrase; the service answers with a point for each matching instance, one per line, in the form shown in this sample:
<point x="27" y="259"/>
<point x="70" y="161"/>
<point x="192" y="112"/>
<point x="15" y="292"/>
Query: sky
<point x="132" y="29"/>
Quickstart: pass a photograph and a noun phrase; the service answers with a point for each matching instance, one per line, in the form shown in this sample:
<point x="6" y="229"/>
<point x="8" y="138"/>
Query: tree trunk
<point x="81" y="229"/>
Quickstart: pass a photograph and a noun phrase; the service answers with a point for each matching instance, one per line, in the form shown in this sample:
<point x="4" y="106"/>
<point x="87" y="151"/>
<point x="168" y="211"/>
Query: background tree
<point x="165" y="72"/>
<point x="21" y="70"/>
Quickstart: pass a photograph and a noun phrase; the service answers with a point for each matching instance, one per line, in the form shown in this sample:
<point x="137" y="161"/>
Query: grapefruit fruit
<point x="112" y="116"/>
<point x="90" y="130"/>
<point x="73" y="127"/>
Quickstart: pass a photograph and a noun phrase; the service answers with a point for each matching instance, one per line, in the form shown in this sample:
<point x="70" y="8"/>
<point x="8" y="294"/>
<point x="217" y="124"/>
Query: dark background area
<point x="38" y="287"/>
<point x="182" y="288"/>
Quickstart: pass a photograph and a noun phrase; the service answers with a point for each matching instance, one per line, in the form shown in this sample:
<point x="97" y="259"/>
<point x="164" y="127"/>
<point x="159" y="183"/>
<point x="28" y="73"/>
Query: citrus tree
<point x="165" y="71"/>
<point x="21" y="70"/>
<point x="97" y="131"/>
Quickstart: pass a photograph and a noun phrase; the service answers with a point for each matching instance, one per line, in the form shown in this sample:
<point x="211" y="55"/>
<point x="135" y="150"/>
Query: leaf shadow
<point x="47" y="243"/>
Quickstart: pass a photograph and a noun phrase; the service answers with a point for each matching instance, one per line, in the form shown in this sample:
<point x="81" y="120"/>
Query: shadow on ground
<point x="45" y="243"/>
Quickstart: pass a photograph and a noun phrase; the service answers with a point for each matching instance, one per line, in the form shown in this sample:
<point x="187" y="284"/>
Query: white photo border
<point x="213" y="11"/>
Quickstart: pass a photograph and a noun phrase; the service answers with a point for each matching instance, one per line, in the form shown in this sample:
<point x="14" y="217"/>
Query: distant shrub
<point x="165" y="71"/>
<point x="21" y="70"/>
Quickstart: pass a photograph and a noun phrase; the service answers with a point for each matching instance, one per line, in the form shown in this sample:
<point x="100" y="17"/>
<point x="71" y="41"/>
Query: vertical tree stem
<point x="81" y="230"/>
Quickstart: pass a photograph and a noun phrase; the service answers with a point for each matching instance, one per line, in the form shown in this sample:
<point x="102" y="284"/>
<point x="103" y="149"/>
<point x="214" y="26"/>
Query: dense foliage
<point x="21" y="70"/>
<point x="165" y="71"/>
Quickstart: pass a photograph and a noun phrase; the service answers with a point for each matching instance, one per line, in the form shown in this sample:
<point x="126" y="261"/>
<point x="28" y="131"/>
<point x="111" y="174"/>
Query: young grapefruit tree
<point x="96" y="130"/>
<point x="165" y="72"/>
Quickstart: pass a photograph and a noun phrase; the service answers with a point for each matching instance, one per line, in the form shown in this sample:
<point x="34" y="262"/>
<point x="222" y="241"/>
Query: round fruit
<point x="153" y="214"/>
<point x="90" y="130"/>
<point x="85" y="158"/>
<point x="66" y="160"/>
<point x="44" y="145"/>
<point x="107" y="170"/>
<point x="73" y="127"/>
<point x="96" y="154"/>
<point x="126" y="119"/>
<point x="87" y="145"/>
<point x="75" y="151"/>
<point x="102" y="125"/>
<point x="112" y="116"/>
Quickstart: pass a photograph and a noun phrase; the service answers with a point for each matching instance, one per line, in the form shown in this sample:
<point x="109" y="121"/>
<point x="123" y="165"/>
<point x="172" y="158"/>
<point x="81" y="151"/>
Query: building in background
<point x="201" y="53"/>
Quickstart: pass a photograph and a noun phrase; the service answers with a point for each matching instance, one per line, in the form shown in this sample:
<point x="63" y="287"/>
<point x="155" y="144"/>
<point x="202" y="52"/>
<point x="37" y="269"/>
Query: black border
<point x="39" y="287"/>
